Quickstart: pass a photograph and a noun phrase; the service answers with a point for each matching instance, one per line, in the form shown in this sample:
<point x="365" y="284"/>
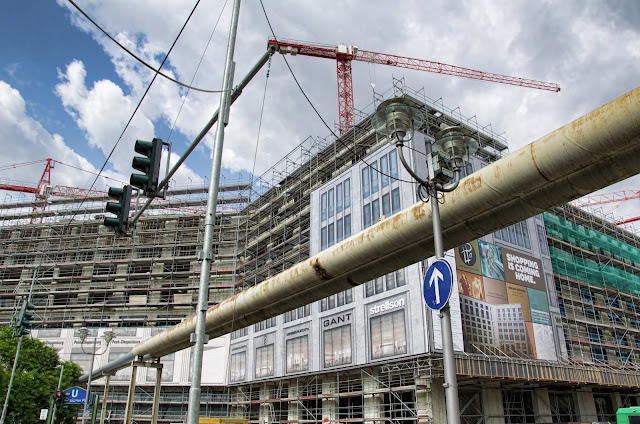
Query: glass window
<point x="347" y="193"/>
<point x="323" y="206"/>
<point x="386" y="205"/>
<point x="388" y="335"/>
<point x="301" y="312"/>
<point x="238" y="366"/>
<point x="375" y="211"/>
<point x="393" y="164"/>
<point x="336" y="300"/>
<point x="400" y="281"/>
<point x="339" y="198"/>
<point x="544" y="247"/>
<point x="365" y="182"/>
<point x="395" y="200"/>
<point x="347" y="226"/>
<point x="337" y="346"/>
<point x="366" y="215"/>
<point x="330" y="203"/>
<point x="525" y="234"/>
<point x="298" y="354"/>
<point x="339" y="230"/>
<point x="330" y="235"/>
<point x="384" y="171"/>
<point x="264" y="361"/>
<point x="323" y="238"/>
<point x="374" y="177"/>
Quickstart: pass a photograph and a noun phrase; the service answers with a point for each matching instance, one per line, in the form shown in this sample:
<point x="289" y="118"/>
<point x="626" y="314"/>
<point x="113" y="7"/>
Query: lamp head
<point x="108" y="336"/>
<point x="455" y="141"/>
<point x="83" y="333"/>
<point x="396" y="118"/>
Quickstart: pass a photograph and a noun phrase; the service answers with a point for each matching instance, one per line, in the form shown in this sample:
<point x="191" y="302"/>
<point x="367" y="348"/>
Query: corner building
<point x="524" y="327"/>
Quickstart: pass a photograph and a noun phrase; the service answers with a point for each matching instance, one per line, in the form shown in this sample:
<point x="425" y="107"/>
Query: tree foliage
<point x="35" y="380"/>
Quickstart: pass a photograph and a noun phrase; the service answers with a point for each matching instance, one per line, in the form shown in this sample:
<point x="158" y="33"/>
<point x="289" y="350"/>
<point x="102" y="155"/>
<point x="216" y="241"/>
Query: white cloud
<point x="29" y="141"/>
<point x="568" y="43"/>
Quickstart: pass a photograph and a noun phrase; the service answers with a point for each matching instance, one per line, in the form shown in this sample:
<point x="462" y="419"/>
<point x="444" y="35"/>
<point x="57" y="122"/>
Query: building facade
<point x="544" y="314"/>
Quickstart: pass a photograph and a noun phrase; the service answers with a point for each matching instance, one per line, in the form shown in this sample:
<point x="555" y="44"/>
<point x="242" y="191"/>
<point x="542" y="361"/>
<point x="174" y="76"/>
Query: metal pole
<point x="105" y="396"/>
<point x="448" y="356"/>
<point x="13" y="373"/>
<point x="54" y="407"/>
<point x="15" y="361"/>
<point x="87" y="397"/>
<point x="193" y="412"/>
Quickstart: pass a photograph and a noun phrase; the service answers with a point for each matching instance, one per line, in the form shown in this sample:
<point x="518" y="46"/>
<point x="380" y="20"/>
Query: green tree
<point x="36" y="379"/>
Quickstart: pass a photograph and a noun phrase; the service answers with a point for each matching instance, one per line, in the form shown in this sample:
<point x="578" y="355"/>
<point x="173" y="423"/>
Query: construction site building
<point x="559" y="346"/>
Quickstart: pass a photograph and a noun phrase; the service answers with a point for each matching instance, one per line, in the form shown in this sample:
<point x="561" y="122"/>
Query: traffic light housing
<point x="23" y="325"/>
<point x="60" y="397"/>
<point x="120" y="208"/>
<point x="148" y="164"/>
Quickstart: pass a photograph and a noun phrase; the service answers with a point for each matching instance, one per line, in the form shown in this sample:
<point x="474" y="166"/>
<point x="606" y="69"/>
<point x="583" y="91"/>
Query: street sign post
<point x="437" y="284"/>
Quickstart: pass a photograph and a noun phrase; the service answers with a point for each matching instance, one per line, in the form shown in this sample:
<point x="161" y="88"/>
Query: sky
<point x="67" y="91"/>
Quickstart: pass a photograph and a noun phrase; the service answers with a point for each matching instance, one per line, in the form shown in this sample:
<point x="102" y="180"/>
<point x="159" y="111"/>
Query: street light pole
<point x="397" y="118"/>
<point x="108" y="336"/>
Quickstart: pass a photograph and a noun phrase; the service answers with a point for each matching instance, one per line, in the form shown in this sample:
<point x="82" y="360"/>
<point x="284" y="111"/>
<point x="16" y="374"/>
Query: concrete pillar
<point x="373" y="399"/>
<point x="294" y="412"/>
<point x="541" y="406"/>
<point x="492" y="405"/>
<point x="430" y="400"/>
<point x="330" y="398"/>
<point x="616" y="399"/>
<point x="265" y="415"/>
<point x="586" y="405"/>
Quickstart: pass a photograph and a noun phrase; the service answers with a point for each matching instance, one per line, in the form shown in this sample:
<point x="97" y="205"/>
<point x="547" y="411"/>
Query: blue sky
<point x="67" y="91"/>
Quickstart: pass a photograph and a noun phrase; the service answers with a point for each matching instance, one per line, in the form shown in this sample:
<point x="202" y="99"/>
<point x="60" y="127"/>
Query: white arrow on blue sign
<point x="437" y="284"/>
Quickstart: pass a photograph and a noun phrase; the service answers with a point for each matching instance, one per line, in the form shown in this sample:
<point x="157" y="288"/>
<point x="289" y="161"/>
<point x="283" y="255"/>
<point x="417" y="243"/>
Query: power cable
<point x="156" y="71"/>
<point x="318" y="113"/>
<point x="184" y="100"/>
<point x="134" y="112"/>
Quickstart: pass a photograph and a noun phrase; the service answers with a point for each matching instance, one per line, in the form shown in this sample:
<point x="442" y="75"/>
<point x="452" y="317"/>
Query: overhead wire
<point x="197" y="69"/>
<point x="156" y="71"/>
<point x="318" y="113"/>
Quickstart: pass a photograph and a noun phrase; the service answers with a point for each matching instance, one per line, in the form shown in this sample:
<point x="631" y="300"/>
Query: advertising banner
<point x="504" y="305"/>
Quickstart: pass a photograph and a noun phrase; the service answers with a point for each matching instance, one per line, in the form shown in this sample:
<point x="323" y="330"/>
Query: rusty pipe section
<point x="592" y="152"/>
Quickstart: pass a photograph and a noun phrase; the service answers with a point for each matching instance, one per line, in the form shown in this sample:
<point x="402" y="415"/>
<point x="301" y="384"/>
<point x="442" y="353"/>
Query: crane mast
<point x="344" y="55"/>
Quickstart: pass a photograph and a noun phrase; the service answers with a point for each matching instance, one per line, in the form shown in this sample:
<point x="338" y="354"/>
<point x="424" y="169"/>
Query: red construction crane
<point x="44" y="189"/>
<point x="615" y="197"/>
<point x="344" y="55"/>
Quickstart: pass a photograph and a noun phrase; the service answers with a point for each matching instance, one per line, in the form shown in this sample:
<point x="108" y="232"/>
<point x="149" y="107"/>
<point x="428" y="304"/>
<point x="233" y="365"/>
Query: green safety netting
<point x="594" y="241"/>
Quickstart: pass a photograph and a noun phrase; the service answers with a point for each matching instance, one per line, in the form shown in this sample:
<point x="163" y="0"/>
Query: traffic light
<point x="23" y="326"/>
<point x="149" y="164"/>
<point x="120" y="208"/>
<point x="60" y="397"/>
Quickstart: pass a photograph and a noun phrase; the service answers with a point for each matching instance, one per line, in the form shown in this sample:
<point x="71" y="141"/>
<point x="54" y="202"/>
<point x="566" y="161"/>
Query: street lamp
<point x="398" y="118"/>
<point x="108" y="337"/>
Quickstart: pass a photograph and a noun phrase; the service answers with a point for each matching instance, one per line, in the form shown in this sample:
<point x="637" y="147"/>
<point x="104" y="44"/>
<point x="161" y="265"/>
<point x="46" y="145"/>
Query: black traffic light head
<point x="23" y="326"/>
<point x="120" y="208"/>
<point x="149" y="165"/>
<point x="60" y="397"/>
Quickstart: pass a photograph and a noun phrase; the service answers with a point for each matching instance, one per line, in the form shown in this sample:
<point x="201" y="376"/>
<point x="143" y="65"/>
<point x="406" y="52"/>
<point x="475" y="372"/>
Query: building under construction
<point x="555" y="339"/>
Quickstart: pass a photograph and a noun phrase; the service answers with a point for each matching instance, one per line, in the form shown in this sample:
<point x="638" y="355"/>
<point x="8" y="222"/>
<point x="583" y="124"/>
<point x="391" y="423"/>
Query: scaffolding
<point x="597" y="277"/>
<point x="86" y="276"/>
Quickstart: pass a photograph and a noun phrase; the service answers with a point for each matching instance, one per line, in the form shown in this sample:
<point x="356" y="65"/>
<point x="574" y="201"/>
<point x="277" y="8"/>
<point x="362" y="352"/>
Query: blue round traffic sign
<point x="437" y="284"/>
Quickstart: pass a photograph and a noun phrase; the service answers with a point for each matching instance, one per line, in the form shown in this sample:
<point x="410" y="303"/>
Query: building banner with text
<point x="503" y="302"/>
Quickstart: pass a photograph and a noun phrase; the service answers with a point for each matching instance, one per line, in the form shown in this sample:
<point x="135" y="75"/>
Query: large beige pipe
<point x="592" y="152"/>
